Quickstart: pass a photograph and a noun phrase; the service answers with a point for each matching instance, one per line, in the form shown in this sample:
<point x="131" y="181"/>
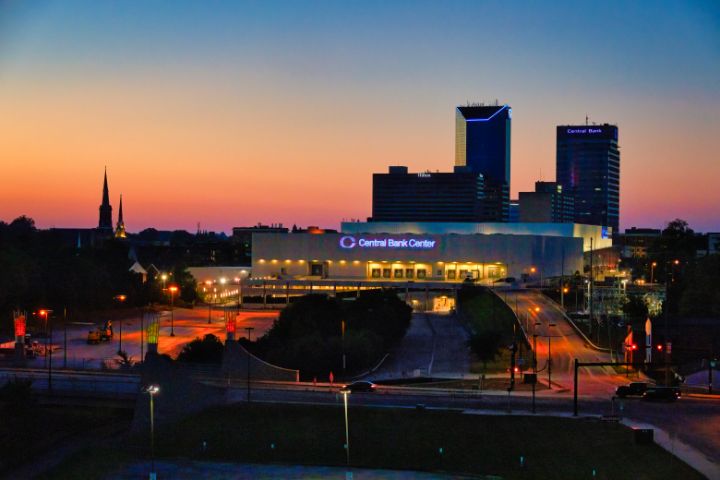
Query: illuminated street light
<point x="48" y="346"/>
<point x="164" y="278"/>
<point x="121" y="299"/>
<point x="652" y="271"/>
<point x="152" y="390"/>
<point x="345" y="392"/>
<point x="173" y="289"/>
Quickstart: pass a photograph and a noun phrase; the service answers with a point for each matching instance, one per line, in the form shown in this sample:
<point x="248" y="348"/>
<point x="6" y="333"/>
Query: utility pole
<point x="249" y="330"/>
<point x="562" y="279"/>
<point x="591" y="291"/>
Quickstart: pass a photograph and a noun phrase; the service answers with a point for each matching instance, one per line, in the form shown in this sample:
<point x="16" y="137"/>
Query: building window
<point x="316" y="270"/>
<point x="398" y="273"/>
<point x="375" y="273"/>
<point x="386" y="273"/>
<point x="463" y="274"/>
<point x="451" y="274"/>
<point x="421" y="273"/>
<point x="409" y="273"/>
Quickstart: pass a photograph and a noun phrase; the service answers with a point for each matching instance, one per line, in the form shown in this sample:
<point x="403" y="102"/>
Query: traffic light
<point x="659" y="347"/>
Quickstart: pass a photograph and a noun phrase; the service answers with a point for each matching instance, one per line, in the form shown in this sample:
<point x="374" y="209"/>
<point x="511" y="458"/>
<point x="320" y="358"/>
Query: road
<point x="692" y="421"/>
<point x="434" y="345"/>
<point x="558" y="339"/>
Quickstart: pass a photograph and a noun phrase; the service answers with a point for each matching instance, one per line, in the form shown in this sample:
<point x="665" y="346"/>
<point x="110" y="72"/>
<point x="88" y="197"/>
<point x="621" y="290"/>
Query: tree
<point x="486" y="345"/>
<point x="208" y="350"/>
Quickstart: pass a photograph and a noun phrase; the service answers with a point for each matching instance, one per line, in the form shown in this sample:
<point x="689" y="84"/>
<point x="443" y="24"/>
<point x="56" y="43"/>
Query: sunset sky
<point x="233" y="113"/>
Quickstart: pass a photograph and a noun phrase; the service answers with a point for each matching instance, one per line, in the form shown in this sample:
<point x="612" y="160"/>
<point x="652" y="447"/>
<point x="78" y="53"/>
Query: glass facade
<point x="588" y="165"/>
<point x="482" y="144"/>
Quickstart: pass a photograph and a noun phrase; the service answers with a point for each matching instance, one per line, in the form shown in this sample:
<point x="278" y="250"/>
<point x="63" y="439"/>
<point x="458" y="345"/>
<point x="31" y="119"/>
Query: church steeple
<point x="105" y="222"/>
<point x="120" y="228"/>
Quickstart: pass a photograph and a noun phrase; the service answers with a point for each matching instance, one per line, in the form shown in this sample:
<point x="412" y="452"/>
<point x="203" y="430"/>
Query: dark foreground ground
<point x="388" y="438"/>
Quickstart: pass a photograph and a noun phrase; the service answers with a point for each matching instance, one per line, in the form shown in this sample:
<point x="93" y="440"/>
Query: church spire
<point x="120" y="228"/>
<point x="105" y="222"/>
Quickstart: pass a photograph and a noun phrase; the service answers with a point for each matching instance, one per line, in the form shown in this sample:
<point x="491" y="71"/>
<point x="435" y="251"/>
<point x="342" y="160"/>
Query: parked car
<point x="666" y="394"/>
<point x="361" y="386"/>
<point x="635" y="389"/>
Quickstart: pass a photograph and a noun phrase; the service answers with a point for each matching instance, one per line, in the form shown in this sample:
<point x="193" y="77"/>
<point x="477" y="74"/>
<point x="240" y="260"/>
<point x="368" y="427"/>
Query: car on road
<point x="361" y="386"/>
<point x="661" y="394"/>
<point x="635" y="389"/>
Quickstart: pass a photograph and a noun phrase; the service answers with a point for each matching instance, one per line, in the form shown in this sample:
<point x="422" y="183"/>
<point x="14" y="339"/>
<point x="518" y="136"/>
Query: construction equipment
<point x="99" y="335"/>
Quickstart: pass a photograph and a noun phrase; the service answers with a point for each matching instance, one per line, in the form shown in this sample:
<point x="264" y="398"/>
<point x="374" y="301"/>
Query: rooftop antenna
<point x="586" y="119"/>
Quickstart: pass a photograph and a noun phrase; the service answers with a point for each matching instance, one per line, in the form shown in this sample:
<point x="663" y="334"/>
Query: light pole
<point x="345" y="392"/>
<point x="239" y="282"/>
<point x="48" y="348"/>
<point x="652" y="271"/>
<point x="534" y="364"/>
<point x="120" y="299"/>
<point x="342" y="328"/>
<point x="173" y="289"/>
<point x="164" y="278"/>
<point x="152" y="390"/>
<point x="550" y="357"/>
<point x="249" y="330"/>
<point x="208" y="284"/>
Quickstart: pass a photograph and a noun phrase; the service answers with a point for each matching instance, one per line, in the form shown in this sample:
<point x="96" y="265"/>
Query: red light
<point x="660" y="347"/>
<point x="517" y="369"/>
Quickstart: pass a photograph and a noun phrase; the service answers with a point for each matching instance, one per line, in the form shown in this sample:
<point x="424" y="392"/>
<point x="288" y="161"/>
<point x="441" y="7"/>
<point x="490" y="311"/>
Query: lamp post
<point x="238" y="280"/>
<point x="249" y="330"/>
<point x="173" y="289"/>
<point x="164" y="278"/>
<point x="208" y="298"/>
<point x="48" y="347"/>
<point x="120" y="299"/>
<point x="550" y="357"/>
<point x="534" y="361"/>
<point x="152" y="390"/>
<point x="652" y="271"/>
<point x="345" y="392"/>
<point x="342" y="328"/>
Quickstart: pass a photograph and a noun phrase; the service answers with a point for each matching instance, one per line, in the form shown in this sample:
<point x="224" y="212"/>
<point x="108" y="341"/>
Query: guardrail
<point x="574" y="325"/>
<point x="103" y="383"/>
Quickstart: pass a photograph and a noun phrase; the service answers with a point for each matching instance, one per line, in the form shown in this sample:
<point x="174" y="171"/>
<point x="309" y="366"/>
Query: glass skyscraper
<point x="588" y="165"/>
<point x="482" y="143"/>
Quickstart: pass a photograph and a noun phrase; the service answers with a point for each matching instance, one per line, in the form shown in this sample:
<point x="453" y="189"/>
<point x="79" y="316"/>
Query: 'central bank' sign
<point x="349" y="241"/>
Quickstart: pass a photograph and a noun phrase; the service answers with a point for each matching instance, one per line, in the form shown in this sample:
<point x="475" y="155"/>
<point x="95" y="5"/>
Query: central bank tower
<point x="482" y="144"/>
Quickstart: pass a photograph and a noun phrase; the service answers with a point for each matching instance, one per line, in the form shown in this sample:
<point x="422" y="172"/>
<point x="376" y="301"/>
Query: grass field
<point x="552" y="448"/>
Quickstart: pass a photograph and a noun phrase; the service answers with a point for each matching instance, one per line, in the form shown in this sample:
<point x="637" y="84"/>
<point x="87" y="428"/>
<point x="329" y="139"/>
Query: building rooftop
<point x="481" y="112"/>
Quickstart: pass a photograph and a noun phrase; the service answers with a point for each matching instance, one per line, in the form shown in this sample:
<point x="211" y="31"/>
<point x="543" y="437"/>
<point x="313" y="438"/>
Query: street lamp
<point x="238" y="280"/>
<point x="164" y="278"/>
<point x="48" y="348"/>
<point x="652" y="271"/>
<point x="249" y="331"/>
<point x="537" y="324"/>
<point x="121" y="299"/>
<point x="152" y="390"/>
<point x="173" y="289"/>
<point x="208" y="299"/>
<point x="550" y="357"/>
<point x="345" y="392"/>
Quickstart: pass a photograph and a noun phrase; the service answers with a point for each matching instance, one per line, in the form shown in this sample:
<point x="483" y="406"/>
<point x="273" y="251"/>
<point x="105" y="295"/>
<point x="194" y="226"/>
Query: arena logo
<point x="349" y="242"/>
